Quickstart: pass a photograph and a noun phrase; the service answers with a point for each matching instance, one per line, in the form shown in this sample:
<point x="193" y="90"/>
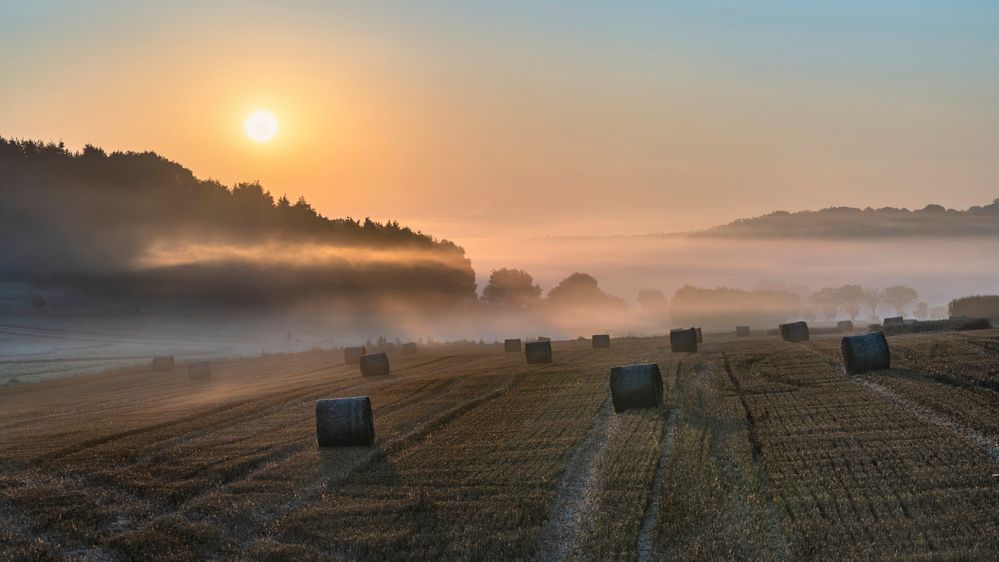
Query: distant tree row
<point x="978" y="306"/>
<point x="514" y="289"/>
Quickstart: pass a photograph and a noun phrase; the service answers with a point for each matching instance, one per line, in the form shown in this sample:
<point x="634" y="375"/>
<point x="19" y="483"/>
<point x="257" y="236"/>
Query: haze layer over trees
<point x="137" y="224"/>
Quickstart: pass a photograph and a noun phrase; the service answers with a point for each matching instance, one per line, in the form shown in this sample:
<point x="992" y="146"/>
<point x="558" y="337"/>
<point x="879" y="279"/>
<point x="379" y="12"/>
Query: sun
<point x="261" y="125"/>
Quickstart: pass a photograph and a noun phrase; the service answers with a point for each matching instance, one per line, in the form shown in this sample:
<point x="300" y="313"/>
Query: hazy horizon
<point x="467" y="119"/>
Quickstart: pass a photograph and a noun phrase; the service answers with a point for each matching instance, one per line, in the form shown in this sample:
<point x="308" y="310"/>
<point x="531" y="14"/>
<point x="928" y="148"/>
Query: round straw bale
<point x="538" y="351"/>
<point x="511" y="345"/>
<point x="352" y="355"/>
<point x="845" y="325"/>
<point x="700" y="337"/>
<point x="374" y="365"/>
<point x="794" y="331"/>
<point x="199" y="370"/>
<point x="742" y="331"/>
<point x="866" y="352"/>
<point x="344" y="422"/>
<point x="409" y="347"/>
<point x="894" y="321"/>
<point x="636" y="386"/>
<point x="163" y="363"/>
<point x="681" y="340"/>
<point x="601" y="341"/>
<point x="544" y="338"/>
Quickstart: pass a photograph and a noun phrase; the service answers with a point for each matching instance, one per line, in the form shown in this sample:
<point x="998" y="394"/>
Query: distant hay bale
<point x="374" y="365"/>
<point x="683" y="340"/>
<point x="199" y="370"/>
<point x="742" y="331"/>
<point x="409" y="347"/>
<point x="601" y="341"/>
<point x="700" y="337"/>
<point x="543" y="338"/>
<point x="163" y="364"/>
<point x="511" y="345"/>
<point x="874" y="327"/>
<point x="794" y="332"/>
<point x="352" y="355"/>
<point x="866" y="352"/>
<point x="344" y="422"/>
<point x="845" y="325"/>
<point x="538" y="351"/>
<point x="894" y="321"/>
<point x="636" y="386"/>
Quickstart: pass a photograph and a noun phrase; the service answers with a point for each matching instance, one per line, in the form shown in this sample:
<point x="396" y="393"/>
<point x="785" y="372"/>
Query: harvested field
<point x="762" y="450"/>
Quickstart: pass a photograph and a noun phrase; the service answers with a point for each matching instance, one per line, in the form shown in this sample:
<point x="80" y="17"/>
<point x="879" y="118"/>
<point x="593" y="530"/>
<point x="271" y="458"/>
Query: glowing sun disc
<point x="261" y="125"/>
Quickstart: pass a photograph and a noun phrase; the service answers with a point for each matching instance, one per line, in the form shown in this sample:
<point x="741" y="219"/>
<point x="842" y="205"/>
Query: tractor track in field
<point x="776" y="540"/>
<point x="645" y="543"/>
<point x="918" y="411"/>
<point x="575" y="501"/>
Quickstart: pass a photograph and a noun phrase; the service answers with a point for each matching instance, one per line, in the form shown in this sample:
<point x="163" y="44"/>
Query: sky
<point x="482" y="119"/>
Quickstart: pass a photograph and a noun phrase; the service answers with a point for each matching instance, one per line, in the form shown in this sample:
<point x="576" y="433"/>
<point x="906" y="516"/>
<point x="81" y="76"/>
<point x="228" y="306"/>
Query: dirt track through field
<point x="575" y="499"/>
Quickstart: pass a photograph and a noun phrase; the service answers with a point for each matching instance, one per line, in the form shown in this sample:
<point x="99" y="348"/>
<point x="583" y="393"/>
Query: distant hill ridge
<point x="849" y="222"/>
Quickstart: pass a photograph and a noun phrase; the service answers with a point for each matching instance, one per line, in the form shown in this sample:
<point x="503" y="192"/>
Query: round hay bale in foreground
<point x="681" y="340"/>
<point x="601" y="341"/>
<point x="352" y="355"/>
<point x="374" y="365"/>
<point x="866" y="352"/>
<point x="344" y="422"/>
<point x="894" y="321"/>
<point x="636" y="386"/>
<point x="845" y="325"/>
<point x="742" y="331"/>
<point x="409" y="348"/>
<point x="511" y="345"/>
<point x="538" y="351"/>
<point x="199" y="370"/>
<point x="163" y="364"/>
<point x="794" y="332"/>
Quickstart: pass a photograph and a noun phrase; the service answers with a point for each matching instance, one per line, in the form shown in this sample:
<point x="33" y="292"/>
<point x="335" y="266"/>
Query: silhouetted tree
<point x="652" y="300"/>
<point x="850" y="297"/>
<point x="922" y="310"/>
<point x="581" y="289"/>
<point x="828" y="302"/>
<point x="899" y="297"/>
<point x="511" y="288"/>
<point x="871" y="299"/>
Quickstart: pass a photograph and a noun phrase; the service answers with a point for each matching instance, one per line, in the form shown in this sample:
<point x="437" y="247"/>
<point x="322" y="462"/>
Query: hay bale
<point x="163" y="364"/>
<point x="681" y="340"/>
<point x="374" y="365"/>
<point x="511" y="345"/>
<point x="844" y="325"/>
<point x="199" y="370"/>
<point x="543" y="338"/>
<point x="409" y="347"/>
<point x="894" y="321"/>
<point x="538" y="351"/>
<point x="636" y="386"/>
<point x="700" y="337"/>
<point x="352" y="355"/>
<point x="874" y="327"/>
<point x="742" y="331"/>
<point x="344" y="422"/>
<point x="867" y="352"/>
<point x="794" y="332"/>
<point x="601" y="341"/>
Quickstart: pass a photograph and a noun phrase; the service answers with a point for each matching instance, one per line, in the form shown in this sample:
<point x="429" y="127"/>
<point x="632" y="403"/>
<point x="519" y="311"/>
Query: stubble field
<point x="762" y="450"/>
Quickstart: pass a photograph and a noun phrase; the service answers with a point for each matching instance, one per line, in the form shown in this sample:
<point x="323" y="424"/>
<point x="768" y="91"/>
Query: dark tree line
<point x="88" y="218"/>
